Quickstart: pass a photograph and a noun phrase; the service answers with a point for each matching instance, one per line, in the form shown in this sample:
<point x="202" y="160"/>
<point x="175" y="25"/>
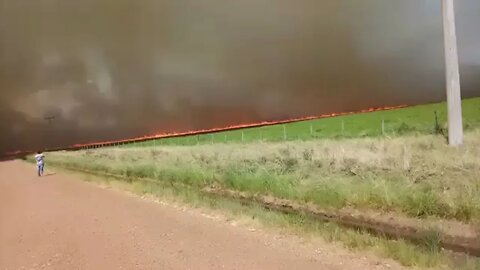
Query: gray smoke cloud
<point x="109" y="69"/>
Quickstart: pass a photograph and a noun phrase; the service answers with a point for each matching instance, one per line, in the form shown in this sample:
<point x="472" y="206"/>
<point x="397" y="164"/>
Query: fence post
<point x="284" y="133"/>
<point x="211" y="138"/>
<point x="311" y="130"/>
<point x="226" y="138"/>
<point x="243" y="136"/>
<point x="383" y="126"/>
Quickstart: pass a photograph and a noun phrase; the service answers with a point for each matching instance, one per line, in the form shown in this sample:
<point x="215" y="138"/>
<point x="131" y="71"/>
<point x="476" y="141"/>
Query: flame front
<point x="228" y="128"/>
<point x="204" y="131"/>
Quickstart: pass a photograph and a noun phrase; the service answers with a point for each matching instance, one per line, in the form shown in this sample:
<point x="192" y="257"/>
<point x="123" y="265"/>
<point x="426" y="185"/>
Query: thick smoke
<point x="107" y="69"/>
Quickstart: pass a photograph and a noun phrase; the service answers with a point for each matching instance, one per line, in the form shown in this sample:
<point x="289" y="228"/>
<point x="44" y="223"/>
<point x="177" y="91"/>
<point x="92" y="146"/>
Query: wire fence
<point x="424" y="119"/>
<point x="303" y="131"/>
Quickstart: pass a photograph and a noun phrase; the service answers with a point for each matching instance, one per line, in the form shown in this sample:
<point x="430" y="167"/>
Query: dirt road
<point x="58" y="222"/>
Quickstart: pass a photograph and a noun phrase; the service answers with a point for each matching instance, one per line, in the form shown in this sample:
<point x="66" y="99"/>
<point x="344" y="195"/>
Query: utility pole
<point x="454" y="99"/>
<point x="383" y="126"/>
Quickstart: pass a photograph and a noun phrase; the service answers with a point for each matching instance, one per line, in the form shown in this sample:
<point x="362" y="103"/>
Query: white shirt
<point x="39" y="159"/>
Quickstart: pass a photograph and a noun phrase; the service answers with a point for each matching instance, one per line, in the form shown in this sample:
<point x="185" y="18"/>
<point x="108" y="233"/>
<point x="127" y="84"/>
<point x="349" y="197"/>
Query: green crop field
<point x="416" y="119"/>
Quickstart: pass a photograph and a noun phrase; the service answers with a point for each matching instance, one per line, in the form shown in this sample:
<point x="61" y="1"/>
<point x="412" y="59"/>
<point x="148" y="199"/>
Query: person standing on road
<point x="40" y="163"/>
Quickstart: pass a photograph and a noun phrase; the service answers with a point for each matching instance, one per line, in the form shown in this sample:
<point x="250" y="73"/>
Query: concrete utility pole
<point x="454" y="99"/>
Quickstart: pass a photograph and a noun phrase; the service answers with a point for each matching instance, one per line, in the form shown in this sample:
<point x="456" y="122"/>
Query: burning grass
<point x="373" y="122"/>
<point x="396" y="122"/>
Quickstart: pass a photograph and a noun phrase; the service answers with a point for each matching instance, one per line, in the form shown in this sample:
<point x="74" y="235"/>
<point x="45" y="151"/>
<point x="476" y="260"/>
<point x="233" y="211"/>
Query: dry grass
<point x="419" y="176"/>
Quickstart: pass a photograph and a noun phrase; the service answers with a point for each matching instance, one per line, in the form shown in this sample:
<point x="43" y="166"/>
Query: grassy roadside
<point x="426" y="256"/>
<point x="417" y="176"/>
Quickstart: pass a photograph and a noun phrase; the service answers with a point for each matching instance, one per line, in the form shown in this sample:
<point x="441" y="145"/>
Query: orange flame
<point x="227" y="128"/>
<point x="204" y="131"/>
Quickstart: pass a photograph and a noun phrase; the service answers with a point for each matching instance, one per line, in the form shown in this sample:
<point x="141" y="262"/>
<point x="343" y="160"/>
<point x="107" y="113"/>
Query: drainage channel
<point x="470" y="246"/>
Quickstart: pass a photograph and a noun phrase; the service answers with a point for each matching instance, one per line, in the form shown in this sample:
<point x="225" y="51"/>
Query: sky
<point x="111" y="69"/>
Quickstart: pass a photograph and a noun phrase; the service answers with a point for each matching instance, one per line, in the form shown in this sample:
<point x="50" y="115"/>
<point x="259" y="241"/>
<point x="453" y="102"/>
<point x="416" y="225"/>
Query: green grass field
<point x="410" y="120"/>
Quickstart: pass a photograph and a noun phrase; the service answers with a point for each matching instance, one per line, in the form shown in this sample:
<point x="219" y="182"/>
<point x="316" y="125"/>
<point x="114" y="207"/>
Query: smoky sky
<point x="109" y="69"/>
